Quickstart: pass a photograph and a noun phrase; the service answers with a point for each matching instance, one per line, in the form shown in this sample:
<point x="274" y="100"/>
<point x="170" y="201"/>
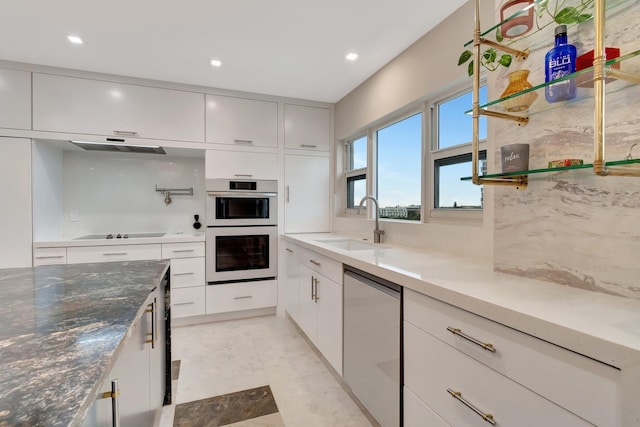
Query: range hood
<point x="117" y="145"/>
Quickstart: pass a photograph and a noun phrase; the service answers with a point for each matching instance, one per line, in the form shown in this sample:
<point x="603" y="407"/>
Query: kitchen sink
<point x="350" y="244"/>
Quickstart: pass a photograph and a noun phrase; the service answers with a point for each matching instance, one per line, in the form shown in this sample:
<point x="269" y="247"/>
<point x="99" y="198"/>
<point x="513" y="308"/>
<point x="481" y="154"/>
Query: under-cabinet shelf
<point x="632" y="164"/>
<point x="585" y="89"/>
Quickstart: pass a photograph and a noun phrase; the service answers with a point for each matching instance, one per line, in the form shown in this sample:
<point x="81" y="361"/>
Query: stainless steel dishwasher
<point x="372" y="343"/>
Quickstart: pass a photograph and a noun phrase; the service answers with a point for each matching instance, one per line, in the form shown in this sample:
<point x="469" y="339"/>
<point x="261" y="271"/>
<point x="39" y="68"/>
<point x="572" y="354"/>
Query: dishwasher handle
<point x="382" y="285"/>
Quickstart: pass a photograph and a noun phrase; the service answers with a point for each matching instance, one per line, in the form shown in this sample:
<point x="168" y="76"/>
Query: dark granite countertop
<point x="60" y="328"/>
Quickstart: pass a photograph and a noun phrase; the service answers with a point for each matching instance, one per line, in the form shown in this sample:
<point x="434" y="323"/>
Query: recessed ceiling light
<point x="351" y="56"/>
<point x="216" y="63"/>
<point x="75" y="39"/>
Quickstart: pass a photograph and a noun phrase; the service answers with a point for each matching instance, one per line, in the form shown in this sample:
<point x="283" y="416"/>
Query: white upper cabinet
<point x="75" y="105"/>
<point x="239" y="121"/>
<point x="15" y="99"/>
<point x="241" y="165"/>
<point x="307" y="194"/>
<point x="307" y="128"/>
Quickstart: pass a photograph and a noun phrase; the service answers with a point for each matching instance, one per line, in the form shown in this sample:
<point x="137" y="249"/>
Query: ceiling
<point x="292" y="48"/>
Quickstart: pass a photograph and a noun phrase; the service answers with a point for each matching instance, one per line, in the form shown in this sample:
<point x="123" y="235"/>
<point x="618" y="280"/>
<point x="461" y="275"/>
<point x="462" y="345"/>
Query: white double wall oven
<point x="241" y="235"/>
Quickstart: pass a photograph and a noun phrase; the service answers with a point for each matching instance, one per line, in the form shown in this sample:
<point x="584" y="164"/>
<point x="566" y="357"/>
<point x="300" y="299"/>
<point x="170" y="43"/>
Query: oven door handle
<point x="232" y="194"/>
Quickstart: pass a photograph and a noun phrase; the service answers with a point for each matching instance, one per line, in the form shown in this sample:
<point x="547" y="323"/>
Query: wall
<point x="115" y="193"/>
<point x="111" y="192"/>
<point x="423" y="71"/>
<point x="574" y="228"/>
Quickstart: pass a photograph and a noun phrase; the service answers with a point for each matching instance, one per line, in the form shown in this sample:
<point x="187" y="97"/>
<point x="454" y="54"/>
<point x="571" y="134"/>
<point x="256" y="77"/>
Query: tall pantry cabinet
<point x="307" y="141"/>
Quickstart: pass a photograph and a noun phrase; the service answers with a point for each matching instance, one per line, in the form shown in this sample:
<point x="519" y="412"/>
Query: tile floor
<point x="228" y="357"/>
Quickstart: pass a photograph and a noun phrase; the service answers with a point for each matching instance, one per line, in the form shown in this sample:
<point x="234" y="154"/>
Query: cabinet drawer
<point x="575" y="382"/>
<point x="328" y="267"/>
<point x="241" y="165"/>
<point x="433" y="367"/>
<point x="418" y="414"/>
<point x="49" y="256"/>
<point x="241" y="296"/>
<point x="182" y="250"/>
<point x="187" y="302"/>
<point x="187" y="272"/>
<point x="82" y="254"/>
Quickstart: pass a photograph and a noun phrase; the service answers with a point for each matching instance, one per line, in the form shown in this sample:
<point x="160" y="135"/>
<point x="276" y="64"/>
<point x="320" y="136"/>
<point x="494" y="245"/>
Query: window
<point x="356" y="170"/>
<point x="399" y="170"/>
<point x="451" y="153"/>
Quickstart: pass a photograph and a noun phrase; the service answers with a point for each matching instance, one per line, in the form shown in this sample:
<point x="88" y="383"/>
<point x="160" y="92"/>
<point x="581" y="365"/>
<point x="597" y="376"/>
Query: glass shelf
<point x="633" y="163"/>
<point x="542" y="20"/>
<point x="584" y="92"/>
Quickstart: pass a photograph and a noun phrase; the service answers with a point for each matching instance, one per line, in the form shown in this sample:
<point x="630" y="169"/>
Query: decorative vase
<point x="517" y="83"/>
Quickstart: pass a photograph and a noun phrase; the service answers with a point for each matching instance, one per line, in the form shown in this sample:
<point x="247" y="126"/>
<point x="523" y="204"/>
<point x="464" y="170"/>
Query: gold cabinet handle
<point x="151" y="308"/>
<point x="114" y="394"/>
<point x="458" y="332"/>
<point x="458" y="396"/>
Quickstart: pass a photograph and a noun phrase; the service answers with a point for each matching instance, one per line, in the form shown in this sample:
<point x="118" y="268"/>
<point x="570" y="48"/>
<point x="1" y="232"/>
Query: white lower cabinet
<point x="418" y="414"/>
<point x="321" y="314"/>
<point x="292" y="281"/>
<point x="139" y="370"/>
<point x="241" y="296"/>
<point x="456" y="360"/>
<point x="187" y="278"/>
<point x="49" y="256"/>
<point x="187" y="302"/>
<point x="84" y="254"/>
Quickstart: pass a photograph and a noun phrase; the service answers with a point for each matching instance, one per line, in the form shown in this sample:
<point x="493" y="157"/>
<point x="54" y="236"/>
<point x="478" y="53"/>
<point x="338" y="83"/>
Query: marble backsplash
<point x="573" y="228"/>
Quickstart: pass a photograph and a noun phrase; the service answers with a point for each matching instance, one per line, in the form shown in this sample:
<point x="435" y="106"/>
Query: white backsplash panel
<point x="573" y="228"/>
<point x="115" y="193"/>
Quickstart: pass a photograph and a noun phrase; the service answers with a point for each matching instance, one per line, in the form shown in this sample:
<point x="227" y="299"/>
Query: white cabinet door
<point x="15" y="208"/>
<point x="307" y="128"/>
<point x="239" y="121"/>
<point x="74" y="105"/>
<point x="329" y="320"/>
<point x="241" y="165"/>
<point x="157" y="352"/>
<point x="292" y="281"/>
<point x="307" y="197"/>
<point x="241" y="296"/>
<point x="15" y="99"/>
<point x="308" y="306"/>
<point x="417" y="414"/>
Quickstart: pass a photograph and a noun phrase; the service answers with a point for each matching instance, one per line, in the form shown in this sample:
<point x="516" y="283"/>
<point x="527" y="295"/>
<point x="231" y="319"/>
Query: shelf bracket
<point x="520" y="55"/>
<point x="521" y="120"/>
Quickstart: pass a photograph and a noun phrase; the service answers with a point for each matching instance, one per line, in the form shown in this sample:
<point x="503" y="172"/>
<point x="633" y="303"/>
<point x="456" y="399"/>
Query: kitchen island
<point x="63" y="328"/>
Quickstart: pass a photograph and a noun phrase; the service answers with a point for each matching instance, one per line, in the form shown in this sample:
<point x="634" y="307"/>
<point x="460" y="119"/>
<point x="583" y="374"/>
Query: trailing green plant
<point x="560" y="14"/>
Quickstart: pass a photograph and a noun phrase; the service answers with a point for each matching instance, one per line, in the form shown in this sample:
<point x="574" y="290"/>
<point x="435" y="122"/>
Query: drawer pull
<point x="458" y="396"/>
<point x="244" y="297"/>
<point x="248" y="175"/>
<point x="50" y="257"/>
<point x="243" y="141"/>
<point x="114" y="253"/>
<point x="183" y="250"/>
<point x="184" y="303"/>
<point x="184" y="274"/>
<point x="125" y="133"/>
<point x="308" y="145"/>
<point x="289" y="250"/>
<point x="316" y="263"/>
<point x="458" y="332"/>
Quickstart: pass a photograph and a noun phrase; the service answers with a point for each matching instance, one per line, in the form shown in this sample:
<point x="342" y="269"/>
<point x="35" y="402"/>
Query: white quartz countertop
<point x="167" y="238"/>
<point x="603" y="327"/>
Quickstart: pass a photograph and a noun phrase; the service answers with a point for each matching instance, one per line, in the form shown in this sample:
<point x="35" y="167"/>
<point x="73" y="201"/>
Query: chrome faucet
<point x="377" y="233"/>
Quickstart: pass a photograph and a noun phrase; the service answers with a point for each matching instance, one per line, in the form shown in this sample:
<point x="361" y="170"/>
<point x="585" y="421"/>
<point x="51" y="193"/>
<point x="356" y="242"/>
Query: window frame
<point x="350" y="175"/>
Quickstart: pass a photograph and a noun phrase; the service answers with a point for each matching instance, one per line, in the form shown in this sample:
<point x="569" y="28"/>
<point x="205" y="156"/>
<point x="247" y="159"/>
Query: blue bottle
<point x="560" y="61"/>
